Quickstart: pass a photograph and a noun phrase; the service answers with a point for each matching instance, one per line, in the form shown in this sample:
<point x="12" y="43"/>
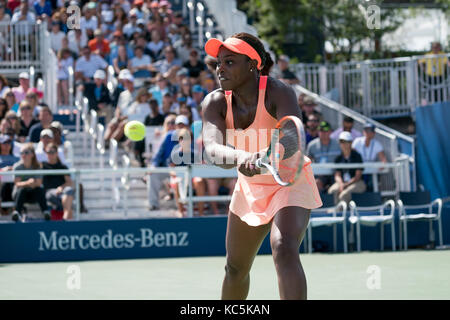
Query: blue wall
<point x="158" y="238"/>
<point x="433" y="148"/>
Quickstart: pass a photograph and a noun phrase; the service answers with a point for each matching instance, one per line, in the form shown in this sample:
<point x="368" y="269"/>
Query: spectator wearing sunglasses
<point x="58" y="188"/>
<point x="312" y="128"/>
<point x="26" y="120"/>
<point x="47" y="137"/>
<point x="28" y="188"/>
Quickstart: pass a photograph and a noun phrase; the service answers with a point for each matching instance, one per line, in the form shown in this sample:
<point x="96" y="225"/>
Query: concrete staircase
<point x="104" y="194"/>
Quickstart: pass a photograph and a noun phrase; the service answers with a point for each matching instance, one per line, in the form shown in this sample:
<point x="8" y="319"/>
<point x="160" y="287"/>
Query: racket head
<point x="285" y="156"/>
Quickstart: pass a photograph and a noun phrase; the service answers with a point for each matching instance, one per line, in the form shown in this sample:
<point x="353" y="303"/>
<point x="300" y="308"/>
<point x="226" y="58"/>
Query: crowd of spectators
<point x="161" y="79"/>
<point x="341" y="145"/>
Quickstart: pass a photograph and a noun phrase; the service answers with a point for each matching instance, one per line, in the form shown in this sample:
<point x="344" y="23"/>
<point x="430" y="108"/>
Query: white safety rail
<point x="381" y="88"/>
<point x="23" y="45"/>
<point x="334" y="113"/>
<point x="120" y="193"/>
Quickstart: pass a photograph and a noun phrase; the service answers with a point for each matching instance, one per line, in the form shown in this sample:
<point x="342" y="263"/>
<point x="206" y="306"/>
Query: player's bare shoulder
<point x="214" y="103"/>
<point x="278" y="94"/>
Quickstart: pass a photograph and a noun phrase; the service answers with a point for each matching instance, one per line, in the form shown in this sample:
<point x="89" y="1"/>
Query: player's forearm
<point x="223" y="156"/>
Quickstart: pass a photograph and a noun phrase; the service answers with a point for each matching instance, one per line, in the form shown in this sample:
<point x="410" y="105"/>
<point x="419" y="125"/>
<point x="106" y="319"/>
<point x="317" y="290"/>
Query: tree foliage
<point x="346" y="24"/>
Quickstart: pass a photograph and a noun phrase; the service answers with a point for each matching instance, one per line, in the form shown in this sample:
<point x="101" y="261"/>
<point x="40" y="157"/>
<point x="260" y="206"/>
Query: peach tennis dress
<point x="257" y="199"/>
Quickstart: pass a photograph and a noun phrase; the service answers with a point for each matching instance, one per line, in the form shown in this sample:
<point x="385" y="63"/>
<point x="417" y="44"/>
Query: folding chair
<point x="411" y="202"/>
<point x="327" y="215"/>
<point x="363" y="209"/>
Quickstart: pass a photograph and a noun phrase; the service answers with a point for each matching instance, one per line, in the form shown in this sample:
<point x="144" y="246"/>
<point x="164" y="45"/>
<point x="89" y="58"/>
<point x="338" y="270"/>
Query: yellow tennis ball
<point x="135" y="130"/>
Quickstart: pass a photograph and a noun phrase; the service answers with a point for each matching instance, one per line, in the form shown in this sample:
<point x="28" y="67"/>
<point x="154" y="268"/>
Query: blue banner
<point x="433" y="148"/>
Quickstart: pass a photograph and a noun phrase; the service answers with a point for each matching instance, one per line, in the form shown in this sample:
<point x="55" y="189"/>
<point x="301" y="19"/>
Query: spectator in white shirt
<point x="65" y="61"/>
<point x="131" y="27"/>
<point x="347" y="125"/>
<point x="139" y="65"/>
<point x="140" y="108"/>
<point x="89" y="21"/>
<point x="46" y="138"/>
<point x="56" y="37"/>
<point x="369" y="148"/>
<point x="87" y="64"/>
<point x="23" y="19"/>
<point x="116" y="126"/>
<point x="77" y="40"/>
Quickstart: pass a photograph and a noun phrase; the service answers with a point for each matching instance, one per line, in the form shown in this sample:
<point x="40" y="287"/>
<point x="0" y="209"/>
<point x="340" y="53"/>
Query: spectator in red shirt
<point x="99" y="45"/>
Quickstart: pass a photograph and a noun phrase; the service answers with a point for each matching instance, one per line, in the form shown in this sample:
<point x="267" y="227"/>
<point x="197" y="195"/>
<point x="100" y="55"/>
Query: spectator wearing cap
<point x="131" y="27"/>
<point x="286" y="75"/>
<point x="24" y="84"/>
<point x="165" y="10"/>
<point x="87" y="64"/>
<point x="46" y="138"/>
<point x="45" y="119"/>
<point x="27" y="120"/>
<point x="58" y="133"/>
<point x="56" y="36"/>
<point x="137" y="6"/>
<point x="98" y="95"/>
<point x="198" y="93"/>
<point x="115" y="127"/>
<point x="194" y="65"/>
<point x="323" y="150"/>
<point x="7" y="161"/>
<point x="347" y="181"/>
<point x="162" y="158"/>
<point x="308" y="106"/>
<point x="347" y="125"/>
<point x="312" y="128"/>
<point x="99" y="45"/>
<point x="370" y="149"/>
<point x="89" y="20"/>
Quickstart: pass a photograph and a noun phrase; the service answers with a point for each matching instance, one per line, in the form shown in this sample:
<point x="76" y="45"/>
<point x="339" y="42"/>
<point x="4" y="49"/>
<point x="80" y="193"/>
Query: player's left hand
<point x="248" y="167"/>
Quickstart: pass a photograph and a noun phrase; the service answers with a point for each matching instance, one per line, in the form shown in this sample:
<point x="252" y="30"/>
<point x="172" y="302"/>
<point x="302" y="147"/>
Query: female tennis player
<point x="237" y="121"/>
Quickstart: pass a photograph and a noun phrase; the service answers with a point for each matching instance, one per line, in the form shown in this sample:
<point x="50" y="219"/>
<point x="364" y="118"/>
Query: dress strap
<point x="229" y="121"/>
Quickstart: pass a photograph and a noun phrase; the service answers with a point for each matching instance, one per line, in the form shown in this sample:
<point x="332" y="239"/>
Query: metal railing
<point x="381" y="88"/>
<point x="188" y="172"/>
<point x="393" y="142"/>
<point x="24" y="45"/>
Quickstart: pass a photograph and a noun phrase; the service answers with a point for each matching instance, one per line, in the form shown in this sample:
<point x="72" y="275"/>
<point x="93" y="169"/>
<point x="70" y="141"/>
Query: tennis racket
<point x="285" y="156"/>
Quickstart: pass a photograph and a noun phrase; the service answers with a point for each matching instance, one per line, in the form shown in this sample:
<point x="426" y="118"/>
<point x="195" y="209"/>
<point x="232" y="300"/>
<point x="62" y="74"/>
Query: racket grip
<point x="258" y="163"/>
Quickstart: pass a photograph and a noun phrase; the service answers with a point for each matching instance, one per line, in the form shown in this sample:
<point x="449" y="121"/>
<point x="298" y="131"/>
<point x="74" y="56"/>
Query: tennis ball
<point x="135" y="130"/>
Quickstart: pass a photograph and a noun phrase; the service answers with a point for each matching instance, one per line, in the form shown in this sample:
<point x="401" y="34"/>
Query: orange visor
<point x="213" y="45"/>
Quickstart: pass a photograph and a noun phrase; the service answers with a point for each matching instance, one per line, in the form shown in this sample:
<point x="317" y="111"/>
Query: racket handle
<point x="258" y="163"/>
